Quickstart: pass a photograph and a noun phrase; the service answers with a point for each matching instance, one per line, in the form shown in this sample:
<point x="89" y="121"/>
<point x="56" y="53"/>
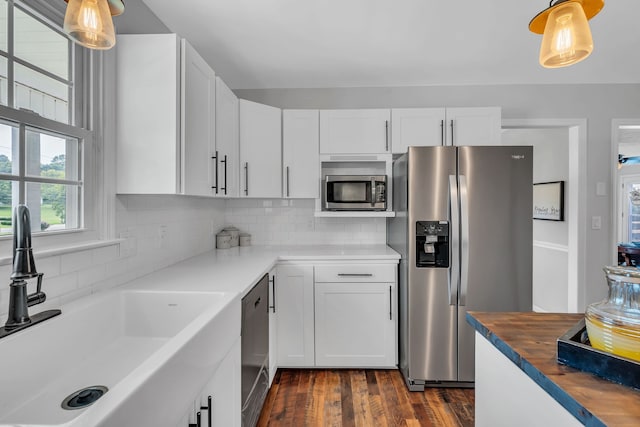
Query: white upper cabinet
<point x="198" y="82"/>
<point x="473" y="126"/>
<point x="227" y="152"/>
<point x="165" y="111"/>
<point x="260" y="150"/>
<point x="355" y="131"/>
<point x="300" y="154"/>
<point x="444" y="126"/>
<point x="417" y="127"/>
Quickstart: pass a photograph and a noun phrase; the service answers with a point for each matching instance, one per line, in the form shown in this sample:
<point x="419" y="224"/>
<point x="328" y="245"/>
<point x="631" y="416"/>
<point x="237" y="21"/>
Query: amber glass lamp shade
<point x="89" y="23"/>
<point x="567" y="36"/>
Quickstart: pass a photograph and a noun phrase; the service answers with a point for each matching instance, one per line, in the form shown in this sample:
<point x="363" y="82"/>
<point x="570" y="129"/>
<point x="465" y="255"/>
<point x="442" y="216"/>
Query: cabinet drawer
<point x="355" y="273"/>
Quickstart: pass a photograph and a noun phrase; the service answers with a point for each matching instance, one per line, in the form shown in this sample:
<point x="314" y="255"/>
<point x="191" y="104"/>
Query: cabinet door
<point x="473" y="126"/>
<point x="417" y="127"/>
<point x="355" y="324"/>
<point x="224" y="390"/>
<point x="294" y="314"/>
<point x="300" y="153"/>
<point x="273" y="328"/>
<point x="227" y="141"/>
<point x="198" y="123"/>
<point x="147" y="114"/>
<point x="354" y="131"/>
<point x="260" y="150"/>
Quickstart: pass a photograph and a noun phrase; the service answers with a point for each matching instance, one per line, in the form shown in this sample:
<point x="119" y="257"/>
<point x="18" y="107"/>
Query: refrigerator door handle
<point x="464" y="239"/>
<point x="454" y="271"/>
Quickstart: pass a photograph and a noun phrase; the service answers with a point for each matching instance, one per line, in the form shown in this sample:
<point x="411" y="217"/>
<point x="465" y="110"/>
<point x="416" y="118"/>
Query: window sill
<point x="44" y="253"/>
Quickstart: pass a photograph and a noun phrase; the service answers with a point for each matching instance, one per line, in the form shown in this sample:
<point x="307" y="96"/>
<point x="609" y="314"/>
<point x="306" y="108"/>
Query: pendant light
<point x="566" y="34"/>
<point x="89" y="23"/>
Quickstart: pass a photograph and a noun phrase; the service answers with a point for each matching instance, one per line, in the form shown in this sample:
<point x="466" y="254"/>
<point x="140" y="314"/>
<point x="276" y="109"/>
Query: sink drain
<point x="84" y="397"/>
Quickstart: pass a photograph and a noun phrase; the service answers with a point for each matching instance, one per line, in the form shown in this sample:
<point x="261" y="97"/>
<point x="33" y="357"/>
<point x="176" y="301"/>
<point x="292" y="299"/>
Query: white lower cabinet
<point x="273" y="329"/>
<point x="356" y="316"/>
<point x="219" y="402"/>
<point x="294" y="315"/>
<point x="355" y="324"/>
<point x="338" y="315"/>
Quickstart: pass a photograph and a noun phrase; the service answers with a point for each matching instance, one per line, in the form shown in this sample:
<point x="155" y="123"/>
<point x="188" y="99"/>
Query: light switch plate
<point x="596" y="222"/>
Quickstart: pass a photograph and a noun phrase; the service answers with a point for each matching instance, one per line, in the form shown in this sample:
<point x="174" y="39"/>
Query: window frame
<point x="86" y="70"/>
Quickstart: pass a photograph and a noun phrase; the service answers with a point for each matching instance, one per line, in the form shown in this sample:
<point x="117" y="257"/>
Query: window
<point x="42" y="142"/>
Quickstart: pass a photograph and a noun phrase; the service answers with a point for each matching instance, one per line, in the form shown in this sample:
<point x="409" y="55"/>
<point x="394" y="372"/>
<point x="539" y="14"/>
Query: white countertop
<point x="238" y="269"/>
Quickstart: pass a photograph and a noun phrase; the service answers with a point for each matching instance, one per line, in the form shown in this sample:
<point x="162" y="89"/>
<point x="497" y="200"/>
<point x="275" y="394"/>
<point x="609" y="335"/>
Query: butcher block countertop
<point x="529" y="341"/>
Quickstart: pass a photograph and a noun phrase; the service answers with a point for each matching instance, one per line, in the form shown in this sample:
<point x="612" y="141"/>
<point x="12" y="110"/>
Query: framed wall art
<point x="548" y="201"/>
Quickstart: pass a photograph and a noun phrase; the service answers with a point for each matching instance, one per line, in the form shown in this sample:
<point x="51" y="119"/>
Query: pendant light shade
<point x="89" y="23"/>
<point x="566" y="36"/>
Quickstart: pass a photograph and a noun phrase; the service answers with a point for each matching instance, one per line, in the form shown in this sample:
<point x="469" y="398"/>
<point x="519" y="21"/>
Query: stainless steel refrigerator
<point x="463" y="228"/>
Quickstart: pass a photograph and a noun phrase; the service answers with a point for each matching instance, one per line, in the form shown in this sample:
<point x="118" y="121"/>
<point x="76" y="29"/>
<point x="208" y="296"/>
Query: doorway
<point x="558" y="247"/>
<point x="625" y="160"/>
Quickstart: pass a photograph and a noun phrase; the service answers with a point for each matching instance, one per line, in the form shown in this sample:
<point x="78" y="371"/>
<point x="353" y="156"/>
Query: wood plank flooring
<point x="362" y="398"/>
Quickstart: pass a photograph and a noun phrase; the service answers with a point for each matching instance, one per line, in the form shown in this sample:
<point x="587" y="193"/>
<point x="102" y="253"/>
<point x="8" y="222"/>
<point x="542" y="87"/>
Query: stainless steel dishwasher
<point x="255" y="351"/>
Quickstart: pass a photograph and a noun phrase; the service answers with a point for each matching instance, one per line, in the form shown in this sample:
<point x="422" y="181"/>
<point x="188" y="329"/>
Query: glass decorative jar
<point x="613" y="325"/>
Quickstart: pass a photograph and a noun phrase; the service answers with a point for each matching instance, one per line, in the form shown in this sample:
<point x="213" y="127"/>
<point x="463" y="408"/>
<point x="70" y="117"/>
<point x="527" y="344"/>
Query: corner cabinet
<point x="260" y="150"/>
<point x="359" y="131"/>
<point x="356" y="316"/>
<point x="444" y="126"/>
<point x="227" y="151"/>
<point x="165" y="112"/>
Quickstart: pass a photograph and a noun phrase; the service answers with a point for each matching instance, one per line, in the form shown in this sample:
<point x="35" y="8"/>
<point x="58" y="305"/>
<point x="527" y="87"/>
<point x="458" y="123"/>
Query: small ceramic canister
<point x="245" y="239"/>
<point x="235" y="234"/>
<point x="223" y="240"/>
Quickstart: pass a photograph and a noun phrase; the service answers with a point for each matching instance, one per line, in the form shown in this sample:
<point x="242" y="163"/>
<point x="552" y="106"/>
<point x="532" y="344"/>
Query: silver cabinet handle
<point x="215" y="173"/>
<point x="225" y="175"/>
<point x="390" y="303"/>
<point x="442" y="132"/>
<point x="355" y="275"/>
<point x="273" y="293"/>
<point x="386" y="135"/>
<point x="246" y="178"/>
<point x="287" y="181"/>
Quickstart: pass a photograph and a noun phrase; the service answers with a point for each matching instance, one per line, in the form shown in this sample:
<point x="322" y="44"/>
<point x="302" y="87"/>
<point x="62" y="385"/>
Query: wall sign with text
<point x="548" y="201"/>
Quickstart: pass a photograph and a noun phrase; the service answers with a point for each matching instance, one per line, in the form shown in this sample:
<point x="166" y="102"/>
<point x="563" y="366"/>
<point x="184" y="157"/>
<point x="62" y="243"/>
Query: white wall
<point x="289" y="222"/>
<point x="550" y="238"/>
<point x="184" y="222"/>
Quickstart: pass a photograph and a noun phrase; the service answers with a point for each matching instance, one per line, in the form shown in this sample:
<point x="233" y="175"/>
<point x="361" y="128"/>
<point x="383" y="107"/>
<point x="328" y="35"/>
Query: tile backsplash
<point x="289" y="222"/>
<point x="158" y="231"/>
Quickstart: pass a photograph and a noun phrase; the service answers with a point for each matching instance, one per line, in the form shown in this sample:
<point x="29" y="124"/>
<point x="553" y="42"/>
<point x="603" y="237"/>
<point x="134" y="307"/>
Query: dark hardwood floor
<point x="341" y="397"/>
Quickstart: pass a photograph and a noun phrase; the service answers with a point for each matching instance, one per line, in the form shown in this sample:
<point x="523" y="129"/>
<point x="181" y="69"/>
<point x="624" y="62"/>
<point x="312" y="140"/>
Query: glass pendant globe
<point x="89" y="23"/>
<point x="567" y="36"/>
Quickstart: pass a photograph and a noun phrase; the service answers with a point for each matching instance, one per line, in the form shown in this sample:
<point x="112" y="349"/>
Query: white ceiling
<point x="362" y="43"/>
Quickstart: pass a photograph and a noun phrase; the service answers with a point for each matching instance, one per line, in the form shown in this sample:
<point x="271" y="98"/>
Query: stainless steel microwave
<point x="355" y="193"/>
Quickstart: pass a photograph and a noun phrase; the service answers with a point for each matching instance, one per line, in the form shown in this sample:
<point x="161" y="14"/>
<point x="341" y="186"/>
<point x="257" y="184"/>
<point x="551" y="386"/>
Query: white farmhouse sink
<point x="153" y="350"/>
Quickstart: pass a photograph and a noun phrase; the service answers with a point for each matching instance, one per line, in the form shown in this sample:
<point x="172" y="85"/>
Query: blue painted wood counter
<point x="529" y="341"/>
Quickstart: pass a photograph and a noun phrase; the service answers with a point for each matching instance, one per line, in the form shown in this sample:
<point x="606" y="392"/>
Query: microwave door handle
<point x="373" y="192"/>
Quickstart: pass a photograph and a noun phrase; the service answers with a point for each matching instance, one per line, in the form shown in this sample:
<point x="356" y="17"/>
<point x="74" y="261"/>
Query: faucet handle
<point x="38" y="297"/>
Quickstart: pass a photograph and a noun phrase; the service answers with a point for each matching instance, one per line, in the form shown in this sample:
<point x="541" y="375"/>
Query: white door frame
<point x="615" y="194"/>
<point x="576" y="201"/>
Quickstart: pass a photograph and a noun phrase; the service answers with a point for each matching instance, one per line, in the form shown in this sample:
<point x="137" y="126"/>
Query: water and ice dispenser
<point x="432" y="244"/>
